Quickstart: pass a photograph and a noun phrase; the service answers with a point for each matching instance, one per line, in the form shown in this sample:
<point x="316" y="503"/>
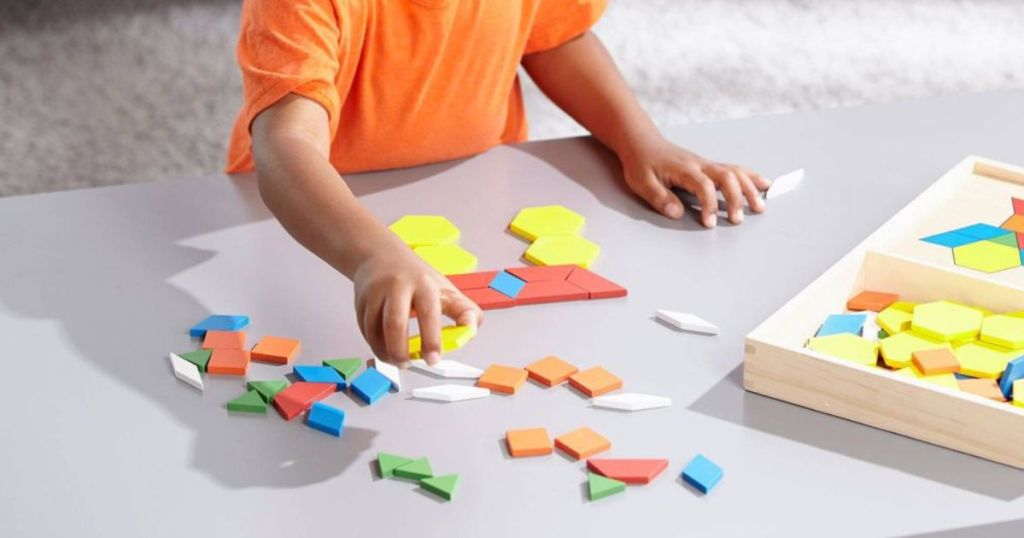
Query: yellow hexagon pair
<point x="452" y="337"/>
<point x="541" y="221"/>
<point x="562" y="250"/>
<point x="425" y="230"/>
<point x="946" y="321"/>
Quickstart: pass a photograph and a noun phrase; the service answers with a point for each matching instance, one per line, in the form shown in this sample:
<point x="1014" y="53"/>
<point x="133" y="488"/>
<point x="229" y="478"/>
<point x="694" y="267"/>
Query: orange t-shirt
<point x="404" y="82"/>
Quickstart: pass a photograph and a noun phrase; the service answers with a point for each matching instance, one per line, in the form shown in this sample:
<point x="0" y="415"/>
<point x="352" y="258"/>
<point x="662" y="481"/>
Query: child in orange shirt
<point x="338" y="86"/>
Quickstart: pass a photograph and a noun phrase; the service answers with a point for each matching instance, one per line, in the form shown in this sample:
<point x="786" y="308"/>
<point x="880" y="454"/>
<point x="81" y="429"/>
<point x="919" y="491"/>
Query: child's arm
<point x="291" y="145"/>
<point x="581" y="78"/>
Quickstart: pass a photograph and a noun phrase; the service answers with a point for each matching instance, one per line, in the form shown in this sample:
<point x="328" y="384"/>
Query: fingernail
<point x="432" y="357"/>
<point x="738" y="217"/>
<point x="712" y="221"/>
<point x="673" y="210"/>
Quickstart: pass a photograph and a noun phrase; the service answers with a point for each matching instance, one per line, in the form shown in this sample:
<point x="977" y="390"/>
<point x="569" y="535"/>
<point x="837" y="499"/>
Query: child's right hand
<point x="391" y="284"/>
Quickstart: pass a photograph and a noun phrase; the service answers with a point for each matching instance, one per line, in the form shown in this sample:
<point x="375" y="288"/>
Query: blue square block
<point x="843" y="323"/>
<point x="218" y="322"/>
<point x="325" y="418"/>
<point x="507" y="283"/>
<point x="1014" y="371"/>
<point x="702" y="474"/>
<point x="981" y="231"/>
<point x="319" y="374"/>
<point x="371" y="385"/>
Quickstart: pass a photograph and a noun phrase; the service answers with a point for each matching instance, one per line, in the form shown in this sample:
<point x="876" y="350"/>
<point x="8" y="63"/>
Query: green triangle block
<point x="387" y="463"/>
<point x="601" y="487"/>
<point x="1009" y="239"/>
<point x="250" y="402"/>
<point x="346" y="367"/>
<point x="416" y="470"/>
<point x="198" y="357"/>
<point x="442" y="486"/>
<point x="882" y="335"/>
<point x="267" y="389"/>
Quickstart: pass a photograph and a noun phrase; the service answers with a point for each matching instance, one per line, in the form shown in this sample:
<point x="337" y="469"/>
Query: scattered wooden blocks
<point x="504" y="379"/>
<point x="276" y="350"/>
<point x="218" y="322"/>
<point x="442" y="486"/>
<point x="595" y="381"/>
<point x="936" y="361"/>
<point x="702" y="474"/>
<point x="267" y="389"/>
<point x="346" y="367"/>
<point x="528" y="442"/>
<point x="417" y="469"/>
<point x="631" y="401"/>
<point x="450" y="393"/>
<point x="371" y="386"/>
<point x="630" y="471"/>
<point x="685" y="321"/>
<point x="387" y="463"/>
<point x="388" y="370"/>
<point x="224" y="340"/>
<point x="325" y="418"/>
<point x="226" y="361"/>
<point x="600" y="487"/>
<point x="186" y="371"/>
<point x="582" y="443"/>
<point x="448" y="369"/>
<point x="507" y="284"/>
<point x="199" y="357"/>
<point x="318" y="374"/>
<point x="298" y="397"/>
<point x="551" y="371"/>
<point x="986" y="388"/>
<point x="875" y="301"/>
<point x="250" y="402"/>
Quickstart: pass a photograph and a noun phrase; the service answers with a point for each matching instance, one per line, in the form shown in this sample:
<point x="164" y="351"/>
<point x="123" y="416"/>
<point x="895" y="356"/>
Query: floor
<point x="100" y="92"/>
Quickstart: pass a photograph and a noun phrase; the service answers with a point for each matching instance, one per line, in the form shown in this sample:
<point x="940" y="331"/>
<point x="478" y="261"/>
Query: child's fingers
<point x="461" y="309"/>
<point x="658" y="196"/>
<point x="750" y="190"/>
<point x="395" y="327"/>
<point x="427" y="301"/>
<point x="730" y="186"/>
<point x="370" y="322"/>
<point x="701" y="185"/>
<point x="760" y="182"/>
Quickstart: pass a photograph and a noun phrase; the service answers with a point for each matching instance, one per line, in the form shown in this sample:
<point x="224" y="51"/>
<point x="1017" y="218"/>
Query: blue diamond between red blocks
<point x="507" y="284"/>
<point x="325" y="418"/>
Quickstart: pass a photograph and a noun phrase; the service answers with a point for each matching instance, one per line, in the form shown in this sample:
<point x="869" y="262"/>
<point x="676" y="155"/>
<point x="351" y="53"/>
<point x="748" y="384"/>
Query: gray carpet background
<point x="100" y="92"/>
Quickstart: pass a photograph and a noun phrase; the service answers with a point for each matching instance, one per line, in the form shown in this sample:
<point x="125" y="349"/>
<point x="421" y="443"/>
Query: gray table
<point x="96" y="287"/>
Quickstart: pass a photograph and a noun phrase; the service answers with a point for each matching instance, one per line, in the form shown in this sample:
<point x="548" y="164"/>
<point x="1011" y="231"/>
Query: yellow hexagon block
<point x="541" y="221"/>
<point x="980" y="359"/>
<point x="898" y="349"/>
<point x="943" y="380"/>
<point x="452" y="337"/>
<point x="894" y="320"/>
<point x="447" y="259"/>
<point x="562" y="250"/>
<point x="946" y="321"/>
<point x="987" y="256"/>
<point x="846" y="346"/>
<point x="1006" y="331"/>
<point x="425" y="230"/>
<point x="1018" y="388"/>
<point x="904" y="306"/>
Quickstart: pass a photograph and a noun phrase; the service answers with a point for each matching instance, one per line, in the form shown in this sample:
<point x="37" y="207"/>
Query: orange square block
<point x="551" y="371"/>
<point x="986" y="388"/>
<point x="528" y="442"/>
<point x="224" y="340"/>
<point x="936" y="361"/>
<point x="595" y="381"/>
<point x="500" y="378"/>
<point x="276" y="350"/>
<point x="226" y="361"/>
<point x="582" y="443"/>
<point x="875" y="301"/>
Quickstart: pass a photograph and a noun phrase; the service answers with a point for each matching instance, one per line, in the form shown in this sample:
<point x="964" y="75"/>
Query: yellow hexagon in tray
<point x="1006" y="331"/>
<point x="946" y="321"/>
<point x="846" y="346"/>
<point x="447" y="259"/>
<point x="894" y="320"/>
<point x="979" y="359"/>
<point x="425" y="230"/>
<point x="898" y="349"/>
<point x="987" y="256"/>
<point x="533" y="222"/>
<point x="562" y="250"/>
<point x="943" y="380"/>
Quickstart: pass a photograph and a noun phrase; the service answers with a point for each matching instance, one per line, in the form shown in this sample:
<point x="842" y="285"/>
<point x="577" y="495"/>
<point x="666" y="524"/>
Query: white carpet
<point x="96" y="92"/>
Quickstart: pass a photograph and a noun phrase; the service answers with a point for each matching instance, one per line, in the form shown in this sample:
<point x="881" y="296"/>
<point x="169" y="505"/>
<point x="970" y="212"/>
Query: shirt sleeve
<point x="289" y="46"/>
<point x="558" y="21"/>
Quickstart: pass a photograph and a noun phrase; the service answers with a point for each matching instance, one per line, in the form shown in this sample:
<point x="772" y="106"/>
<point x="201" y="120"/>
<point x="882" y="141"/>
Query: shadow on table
<point x="730" y="402"/>
<point x="993" y="530"/>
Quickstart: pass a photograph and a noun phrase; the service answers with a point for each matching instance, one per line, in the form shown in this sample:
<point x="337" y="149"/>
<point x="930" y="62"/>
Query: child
<point x="339" y="86"/>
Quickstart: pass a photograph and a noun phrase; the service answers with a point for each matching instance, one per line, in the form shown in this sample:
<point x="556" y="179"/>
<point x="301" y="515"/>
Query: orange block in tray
<point x="276" y="350"/>
<point x="227" y="361"/>
<point x="936" y="361"/>
<point x="551" y="371"/>
<point x="595" y="381"/>
<point x="528" y="442"/>
<point x="875" y="301"/>
<point x="986" y="388"/>
<point x="582" y="443"/>
<point x="224" y="340"/>
<point x="505" y="379"/>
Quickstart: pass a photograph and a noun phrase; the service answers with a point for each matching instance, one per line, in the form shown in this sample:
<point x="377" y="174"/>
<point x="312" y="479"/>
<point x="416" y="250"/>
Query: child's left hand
<point x="652" y="171"/>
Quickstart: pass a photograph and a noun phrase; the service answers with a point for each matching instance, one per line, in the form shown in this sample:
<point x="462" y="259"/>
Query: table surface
<point x="97" y="286"/>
